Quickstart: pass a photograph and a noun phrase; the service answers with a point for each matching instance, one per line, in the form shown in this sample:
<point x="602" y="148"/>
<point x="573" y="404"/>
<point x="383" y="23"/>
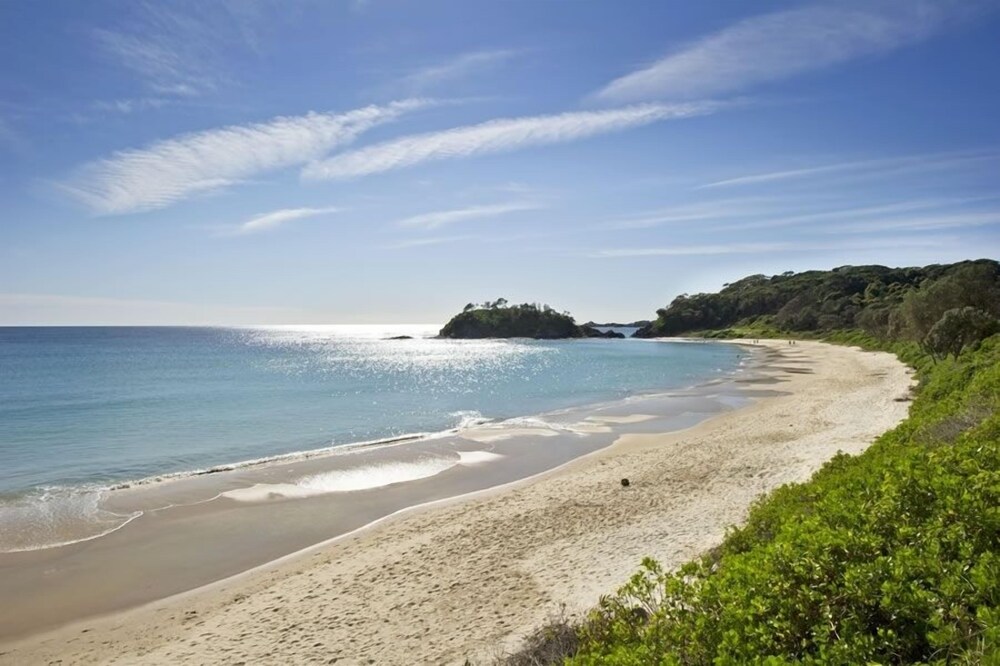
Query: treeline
<point x="944" y="308"/>
<point x="503" y="304"/>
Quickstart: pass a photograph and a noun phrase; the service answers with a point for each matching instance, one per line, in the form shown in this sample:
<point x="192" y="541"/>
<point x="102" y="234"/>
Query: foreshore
<point x="466" y="577"/>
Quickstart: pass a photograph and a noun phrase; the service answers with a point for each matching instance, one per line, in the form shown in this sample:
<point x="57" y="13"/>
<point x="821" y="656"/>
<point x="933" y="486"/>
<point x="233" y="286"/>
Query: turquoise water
<point x="98" y="406"/>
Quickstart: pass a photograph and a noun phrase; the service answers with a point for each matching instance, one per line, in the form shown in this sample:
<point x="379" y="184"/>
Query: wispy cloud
<point x="867" y="168"/>
<point x="183" y="49"/>
<point x="920" y="223"/>
<point x="460" y="67"/>
<point x="810" y="214"/>
<point x="168" y="171"/>
<point x="769" y="247"/>
<point x="482" y="239"/>
<point x="496" y="136"/>
<point x="445" y="217"/>
<point x="276" y="218"/>
<point x="423" y="242"/>
<point x="706" y="211"/>
<point x="847" y="214"/>
<point x="171" y="52"/>
<point x="776" y="46"/>
<point x="131" y="105"/>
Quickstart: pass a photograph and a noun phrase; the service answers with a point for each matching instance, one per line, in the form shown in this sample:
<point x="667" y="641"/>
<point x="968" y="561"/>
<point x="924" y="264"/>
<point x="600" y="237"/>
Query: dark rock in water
<point x="625" y="483"/>
<point x="611" y="324"/>
<point x="647" y="331"/>
<point x="591" y="332"/>
<point x="400" y="337"/>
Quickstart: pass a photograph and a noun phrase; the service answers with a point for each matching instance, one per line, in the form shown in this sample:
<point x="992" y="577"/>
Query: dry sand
<point x="467" y="578"/>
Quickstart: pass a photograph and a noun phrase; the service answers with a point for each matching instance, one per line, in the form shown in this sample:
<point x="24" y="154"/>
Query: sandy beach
<point x="466" y="577"/>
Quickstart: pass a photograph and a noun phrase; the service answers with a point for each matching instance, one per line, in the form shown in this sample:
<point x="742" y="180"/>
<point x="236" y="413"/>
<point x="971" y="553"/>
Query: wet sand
<point x="457" y="578"/>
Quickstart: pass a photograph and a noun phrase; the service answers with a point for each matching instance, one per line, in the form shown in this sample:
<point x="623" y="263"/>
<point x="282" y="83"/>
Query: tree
<point x="957" y="329"/>
<point x="972" y="284"/>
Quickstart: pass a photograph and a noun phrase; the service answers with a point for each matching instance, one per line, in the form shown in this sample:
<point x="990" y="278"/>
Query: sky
<point x="389" y="161"/>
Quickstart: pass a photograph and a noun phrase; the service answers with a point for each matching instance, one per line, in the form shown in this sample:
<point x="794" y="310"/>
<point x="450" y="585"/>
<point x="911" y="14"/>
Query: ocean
<point x="85" y="410"/>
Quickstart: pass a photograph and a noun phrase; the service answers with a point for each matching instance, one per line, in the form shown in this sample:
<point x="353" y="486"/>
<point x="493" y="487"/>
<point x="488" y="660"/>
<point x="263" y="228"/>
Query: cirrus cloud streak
<point x="782" y="44"/>
<point x="444" y="217"/>
<point x="171" y="170"/>
<point x="496" y="136"/>
<point x="276" y="218"/>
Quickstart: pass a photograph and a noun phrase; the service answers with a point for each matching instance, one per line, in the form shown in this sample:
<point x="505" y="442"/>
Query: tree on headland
<point x="975" y="284"/>
<point x="957" y="329"/>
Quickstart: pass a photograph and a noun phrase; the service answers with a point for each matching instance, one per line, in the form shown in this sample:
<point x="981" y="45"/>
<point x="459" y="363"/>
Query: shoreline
<point x="176" y="521"/>
<point x="396" y="558"/>
<point x="103" y="491"/>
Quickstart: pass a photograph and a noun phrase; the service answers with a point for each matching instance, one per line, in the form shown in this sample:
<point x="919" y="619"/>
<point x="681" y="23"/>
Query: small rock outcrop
<point x="591" y="332"/>
<point x="498" y="319"/>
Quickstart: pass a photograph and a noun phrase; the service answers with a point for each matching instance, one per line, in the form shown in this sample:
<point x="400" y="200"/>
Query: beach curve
<point x="440" y="585"/>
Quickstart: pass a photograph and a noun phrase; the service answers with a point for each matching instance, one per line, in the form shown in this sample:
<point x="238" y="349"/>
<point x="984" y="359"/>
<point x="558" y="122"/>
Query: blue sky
<point x="379" y="161"/>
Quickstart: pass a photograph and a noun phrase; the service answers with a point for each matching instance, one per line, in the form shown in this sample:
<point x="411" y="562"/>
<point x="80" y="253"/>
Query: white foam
<point x="477" y="457"/>
<point x="57" y="517"/>
<point x="344" y="481"/>
<point x="469" y="419"/>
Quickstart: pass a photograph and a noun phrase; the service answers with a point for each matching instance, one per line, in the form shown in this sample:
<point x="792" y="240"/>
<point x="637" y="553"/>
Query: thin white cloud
<point x="764" y="248"/>
<point x="920" y="223"/>
<point x="423" y="242"/>
<point x="867" y="168"/>
<point x="691" y="250"/>
<point x="162" y="66"/>
<point x="459" y="67"/>
<point x="779" y="45"/>
<point x="863" y="212"/>
<point x="184" y="49"/>
<point x="131" y="105"/>
<point x="276" y="218"/>
<point x="171" y="52"/>
<point x="168" y="171"/>
<point x="706" y="211"/>
<point x="496" y="136"/>
<point x="441" y="218"/>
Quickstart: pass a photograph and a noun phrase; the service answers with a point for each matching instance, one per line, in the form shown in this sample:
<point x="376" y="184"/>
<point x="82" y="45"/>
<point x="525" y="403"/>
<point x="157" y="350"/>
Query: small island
<point x="499" y="319"/>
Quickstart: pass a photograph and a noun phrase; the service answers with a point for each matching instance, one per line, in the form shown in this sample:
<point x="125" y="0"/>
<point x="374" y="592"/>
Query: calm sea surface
<point x="86" y="407"/>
